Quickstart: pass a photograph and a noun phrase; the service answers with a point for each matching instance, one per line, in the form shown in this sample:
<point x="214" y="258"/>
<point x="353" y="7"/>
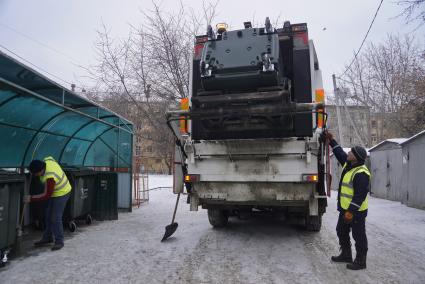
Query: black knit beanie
<point x="36" y="166"/>
<point x="360" y="153"/>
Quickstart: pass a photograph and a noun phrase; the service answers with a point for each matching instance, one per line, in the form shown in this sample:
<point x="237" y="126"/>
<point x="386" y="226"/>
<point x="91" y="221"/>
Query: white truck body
<point x="255" y="173"/>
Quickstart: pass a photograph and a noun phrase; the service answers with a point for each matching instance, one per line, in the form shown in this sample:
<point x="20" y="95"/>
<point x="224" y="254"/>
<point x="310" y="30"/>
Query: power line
<point x="72" y="60"/>
<point x="37" y="67"/>
<point x="364" y="39"/>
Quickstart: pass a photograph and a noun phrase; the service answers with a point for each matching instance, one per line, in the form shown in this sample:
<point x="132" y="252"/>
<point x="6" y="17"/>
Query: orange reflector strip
<point x="184" y="105"/>
<point x="320" y="98"/>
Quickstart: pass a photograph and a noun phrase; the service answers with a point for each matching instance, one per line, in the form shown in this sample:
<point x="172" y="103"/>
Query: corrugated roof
<point x="398" y="141"/>
<point x="414" y="137"/>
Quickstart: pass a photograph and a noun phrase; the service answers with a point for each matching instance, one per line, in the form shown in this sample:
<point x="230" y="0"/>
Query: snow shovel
<point x="170" y="229"/>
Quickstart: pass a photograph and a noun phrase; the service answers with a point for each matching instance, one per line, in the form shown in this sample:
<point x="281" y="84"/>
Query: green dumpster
<point x="11" y="186"/>
<point x="106" y="197"/>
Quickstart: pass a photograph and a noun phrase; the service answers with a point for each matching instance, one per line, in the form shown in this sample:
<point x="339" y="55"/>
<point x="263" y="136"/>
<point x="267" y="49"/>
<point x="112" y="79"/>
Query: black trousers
<point x="358" y="225"/>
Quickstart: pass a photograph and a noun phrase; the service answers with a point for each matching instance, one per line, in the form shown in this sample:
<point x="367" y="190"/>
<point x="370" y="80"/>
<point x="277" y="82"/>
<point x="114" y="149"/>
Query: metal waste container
<point x="11" y="186"/>
<point x="106" y="197"/>
<point x="80" y="203"/>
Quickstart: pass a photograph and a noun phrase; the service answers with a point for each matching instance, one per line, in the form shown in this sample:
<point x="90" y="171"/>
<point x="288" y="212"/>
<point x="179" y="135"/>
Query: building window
<point x="138" y="139"/>
<point x="149" y="149"/>
<point x="373" y="123"/>
<point x="138" y="150"/>
<point x="374" y="138"/>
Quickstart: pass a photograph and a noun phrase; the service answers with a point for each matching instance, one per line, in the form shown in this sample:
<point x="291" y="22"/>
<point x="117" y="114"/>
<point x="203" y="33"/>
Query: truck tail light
<point x="320" y="98"/>
<point x="184" y="105"/>
<point x="301" y="37"/>
<point x="310" y="178"/>
<point x="191" y="178"/>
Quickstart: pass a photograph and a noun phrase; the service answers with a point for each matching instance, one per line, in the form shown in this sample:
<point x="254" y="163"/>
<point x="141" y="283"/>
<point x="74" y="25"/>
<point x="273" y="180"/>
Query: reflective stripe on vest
<point x="347" y="190"/>
<point x="53" y="170"/>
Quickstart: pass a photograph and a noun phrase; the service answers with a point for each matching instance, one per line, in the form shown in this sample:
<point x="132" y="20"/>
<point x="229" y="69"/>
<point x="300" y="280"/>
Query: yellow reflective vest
<point x="54" y="171"/>
<point x="347" y="190"/>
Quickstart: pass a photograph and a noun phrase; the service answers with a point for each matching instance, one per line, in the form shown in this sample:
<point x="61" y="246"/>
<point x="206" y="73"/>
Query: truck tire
<point x="218" y="218"/>
<point x="313" y="223"/>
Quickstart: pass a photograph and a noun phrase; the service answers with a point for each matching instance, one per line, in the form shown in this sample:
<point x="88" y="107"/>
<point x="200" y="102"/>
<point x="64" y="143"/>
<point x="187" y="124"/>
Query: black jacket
<point x="360" y="181"/>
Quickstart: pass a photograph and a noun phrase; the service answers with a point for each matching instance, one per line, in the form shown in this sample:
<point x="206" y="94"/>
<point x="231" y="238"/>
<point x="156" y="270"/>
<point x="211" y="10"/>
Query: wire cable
<point x="72" y="60"/>
<point x="37" y="67"/>
<point x="364" y="39"/>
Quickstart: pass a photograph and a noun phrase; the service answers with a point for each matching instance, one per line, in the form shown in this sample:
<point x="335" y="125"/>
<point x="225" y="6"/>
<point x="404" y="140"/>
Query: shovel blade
<point x="169" y="230"/>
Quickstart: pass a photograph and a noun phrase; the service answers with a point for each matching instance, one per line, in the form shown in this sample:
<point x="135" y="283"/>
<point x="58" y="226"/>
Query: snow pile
<point x="259" y="250"/>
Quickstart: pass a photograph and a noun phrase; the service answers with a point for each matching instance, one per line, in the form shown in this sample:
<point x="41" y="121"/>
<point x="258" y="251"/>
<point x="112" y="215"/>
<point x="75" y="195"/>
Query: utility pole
<point x="338" y="112"/>
<point x="352" y="122"/>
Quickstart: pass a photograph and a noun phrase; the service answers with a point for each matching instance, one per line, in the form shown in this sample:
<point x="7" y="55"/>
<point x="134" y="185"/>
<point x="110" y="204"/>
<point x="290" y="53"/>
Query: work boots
<point x="344" y="256"/>
<point x="57" y="246"/>
<point x="42" y="242"/>
<point x="359" y="262"/>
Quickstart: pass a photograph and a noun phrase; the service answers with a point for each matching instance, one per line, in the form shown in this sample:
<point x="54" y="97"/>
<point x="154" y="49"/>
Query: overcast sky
<point x="59" y="35"/>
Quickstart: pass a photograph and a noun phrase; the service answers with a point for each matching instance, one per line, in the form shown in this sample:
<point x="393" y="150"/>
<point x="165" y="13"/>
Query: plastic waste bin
<point x="80" y="203"/>
<point x="106" y="197"/>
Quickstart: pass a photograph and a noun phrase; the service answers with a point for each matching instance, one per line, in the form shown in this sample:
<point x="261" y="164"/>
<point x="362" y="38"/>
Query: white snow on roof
<point x="414" y="137"/>
<point x="392" y="140"/>
<point x="346" y="150"/>
<point x="397" y="140"/>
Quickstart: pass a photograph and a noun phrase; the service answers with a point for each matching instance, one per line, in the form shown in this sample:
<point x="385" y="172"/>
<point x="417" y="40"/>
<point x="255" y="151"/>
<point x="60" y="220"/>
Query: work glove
<point x="348" y="217"/>
<point x="328" y="135"/>
<point x="27" y="199"/>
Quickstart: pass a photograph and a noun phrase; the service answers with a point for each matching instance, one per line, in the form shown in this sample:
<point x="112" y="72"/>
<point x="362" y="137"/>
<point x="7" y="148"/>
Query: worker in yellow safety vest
<point x="57" y="191"/>
<point x="352" y="203"/>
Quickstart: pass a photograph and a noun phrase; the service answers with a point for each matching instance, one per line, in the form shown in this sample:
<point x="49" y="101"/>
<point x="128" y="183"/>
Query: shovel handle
<point x="22" y="215"/>
<point x="175" y="208"/>
<point x="25" y="205"/>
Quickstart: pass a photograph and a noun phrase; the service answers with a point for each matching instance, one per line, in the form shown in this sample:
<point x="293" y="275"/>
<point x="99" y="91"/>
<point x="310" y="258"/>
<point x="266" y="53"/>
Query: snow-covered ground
<point x="258" y="250"/>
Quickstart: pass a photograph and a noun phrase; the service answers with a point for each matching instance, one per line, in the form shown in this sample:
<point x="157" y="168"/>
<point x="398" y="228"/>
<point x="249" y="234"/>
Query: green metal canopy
<point x="40" y="118"/>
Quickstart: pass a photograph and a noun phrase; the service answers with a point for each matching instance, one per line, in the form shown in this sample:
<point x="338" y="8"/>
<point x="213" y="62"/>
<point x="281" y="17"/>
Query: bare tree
<point x="413" y="10"/>
<point x="149" y="69"/>
<point x="386" y="78"/>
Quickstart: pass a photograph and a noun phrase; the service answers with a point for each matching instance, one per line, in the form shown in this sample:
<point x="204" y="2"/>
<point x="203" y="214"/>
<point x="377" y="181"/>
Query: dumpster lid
<point x="9" y="176"/>
<point x="41" y="118"/>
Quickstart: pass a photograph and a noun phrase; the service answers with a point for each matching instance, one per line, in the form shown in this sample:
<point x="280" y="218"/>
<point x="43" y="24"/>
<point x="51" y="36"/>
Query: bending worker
<point x="352" y="203"/>
<point x="57" y="191"/>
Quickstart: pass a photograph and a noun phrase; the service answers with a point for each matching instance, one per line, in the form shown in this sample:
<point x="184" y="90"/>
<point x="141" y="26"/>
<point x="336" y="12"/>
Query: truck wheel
<point x="313" y="223"/>
<point x="218" y="218"/>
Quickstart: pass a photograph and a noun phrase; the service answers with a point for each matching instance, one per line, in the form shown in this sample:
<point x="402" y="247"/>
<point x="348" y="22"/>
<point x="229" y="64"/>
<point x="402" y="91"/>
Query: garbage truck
<point x="248" y="136"/>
